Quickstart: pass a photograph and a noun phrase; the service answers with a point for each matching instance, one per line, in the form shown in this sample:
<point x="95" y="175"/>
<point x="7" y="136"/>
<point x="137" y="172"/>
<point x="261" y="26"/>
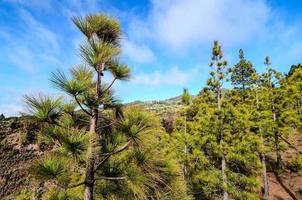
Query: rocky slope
<point x="17" y="150"/>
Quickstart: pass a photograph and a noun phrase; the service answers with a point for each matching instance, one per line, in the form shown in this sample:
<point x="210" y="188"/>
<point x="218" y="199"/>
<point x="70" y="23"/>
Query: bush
<point x="24" y="195"/>
<point x="295" y="165"/>
<point x="2" y="117"/>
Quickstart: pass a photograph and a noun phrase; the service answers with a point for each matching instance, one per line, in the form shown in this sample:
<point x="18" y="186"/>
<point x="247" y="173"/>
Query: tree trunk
<point x="224" y="179"/>
<point x="223" y="160"/>
<point x="264" y="172"/>
<point x="264" y="176"/>
<point x="185" y="150"/>
<point x="89" y="181"/>
<point x="89" y="174"/>
<point x="278" y="154"/>
<point x="277" y="143"/>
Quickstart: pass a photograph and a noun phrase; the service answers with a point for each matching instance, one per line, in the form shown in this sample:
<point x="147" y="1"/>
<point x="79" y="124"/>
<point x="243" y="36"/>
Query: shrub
<point x="295" y="164"/>
<point x="24" y="195"/>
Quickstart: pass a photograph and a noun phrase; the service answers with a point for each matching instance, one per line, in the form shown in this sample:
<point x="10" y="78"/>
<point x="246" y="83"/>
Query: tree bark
<point x="89" y="174"/>
<point x="224" y="178"/>
<point x="277" y="143"/>
<point x="185" y="149"/>
<point x="263" y="162"/>
<point x="264" y="176"/>
<point x="223" y="160"/>
<point x="89" y="180"/>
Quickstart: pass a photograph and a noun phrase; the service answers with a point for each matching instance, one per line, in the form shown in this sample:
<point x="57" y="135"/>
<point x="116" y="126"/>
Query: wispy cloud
<point x="181" y="24"/>
<point x="173" y="76"/>
<point x="11" y="109"/>
<point x="140" y="53"/>
<point x="39" y="5"/>
<point x="33" y="47"/>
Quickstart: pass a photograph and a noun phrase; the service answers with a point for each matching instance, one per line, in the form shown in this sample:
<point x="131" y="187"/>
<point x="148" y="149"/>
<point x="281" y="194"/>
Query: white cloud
<point x="179" y="24"/>
<point x="11" y="109"/>
<point x="38" y="31"/>
<point x="71" y="8"/>
<point x="33" y="47"/>
<point x="174" y="76"/>
<point x="43" y="5"/>
<point x="138" y="53"/>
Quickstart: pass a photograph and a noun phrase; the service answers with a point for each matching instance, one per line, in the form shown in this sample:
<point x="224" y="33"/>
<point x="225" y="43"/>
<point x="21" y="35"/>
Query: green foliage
<point x="119" y="71"/>
<point x="72" y="87"/>
<point x="295" y="164"/>
<point x="59" y="194"/>
<point x="106" y="28"/>
<point x="24" y="195"/>
<point x="185" y="98"/>
<point x="242" y="73"/>
<point x="293" y="68"/>
<point x="44" y="108"/>
<point x="94" y="52"/>
<point x="50" y="167"/>
<point x="214" y="148"/>
<point x="149" y="171"/>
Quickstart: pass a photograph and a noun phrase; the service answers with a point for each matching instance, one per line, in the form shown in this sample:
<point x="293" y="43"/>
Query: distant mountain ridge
<point x="161" y="107"/>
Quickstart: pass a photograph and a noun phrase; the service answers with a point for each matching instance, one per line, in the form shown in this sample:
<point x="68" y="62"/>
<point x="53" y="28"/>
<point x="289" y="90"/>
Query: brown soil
<point x="276" y="191"/>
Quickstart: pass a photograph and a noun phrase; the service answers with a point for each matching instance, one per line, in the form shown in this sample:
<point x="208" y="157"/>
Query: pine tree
<point x="222" y="159"/>
<point x="293" y="93"/>
<point x="215" y="83"/>
<point x="242" y="73"/>
<point x="113" y="153"/>
<point x="185" y="99"/>
<point x="273" y="102"/>
<point x="259" y="117"/>
<point x="293" y="68"/>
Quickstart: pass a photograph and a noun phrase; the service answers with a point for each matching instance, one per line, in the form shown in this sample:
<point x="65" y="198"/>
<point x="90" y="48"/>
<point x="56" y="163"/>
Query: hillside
<point x="162" y="107"/>
<point x="18" y="148"/>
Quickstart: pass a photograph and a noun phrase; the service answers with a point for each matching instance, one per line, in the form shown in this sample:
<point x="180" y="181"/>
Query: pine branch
<point x="107" y="155"/>
<point x="290" y="145"/>
<point x="110" y="178"/>
<point x="107" y="125"/>
<point x="76" y="185"/>
<point x="101" y="163"/>
<point x="110" y="85"/>
<point x="82" y="108"/>
<point x="119" y="150"/>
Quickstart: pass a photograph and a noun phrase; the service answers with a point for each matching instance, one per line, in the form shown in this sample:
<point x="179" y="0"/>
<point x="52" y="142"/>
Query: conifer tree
<point x="215" y="83"/>
<point x="185" y="99"/>
<point x="113" y="154"/>
<point x="259" y="117"/>
<point x="242" y="73"/>
<point x="293" y="68"/>
<point x="272" y="94"/>
<point x="292" y="84"/>
<point x="222" y="151"/>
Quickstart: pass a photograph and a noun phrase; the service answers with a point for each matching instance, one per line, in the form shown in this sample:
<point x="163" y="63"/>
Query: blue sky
<point x="167" y="43"/>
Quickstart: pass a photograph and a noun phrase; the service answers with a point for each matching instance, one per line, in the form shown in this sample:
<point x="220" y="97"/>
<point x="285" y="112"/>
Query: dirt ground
<point x="276" y="191"/>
